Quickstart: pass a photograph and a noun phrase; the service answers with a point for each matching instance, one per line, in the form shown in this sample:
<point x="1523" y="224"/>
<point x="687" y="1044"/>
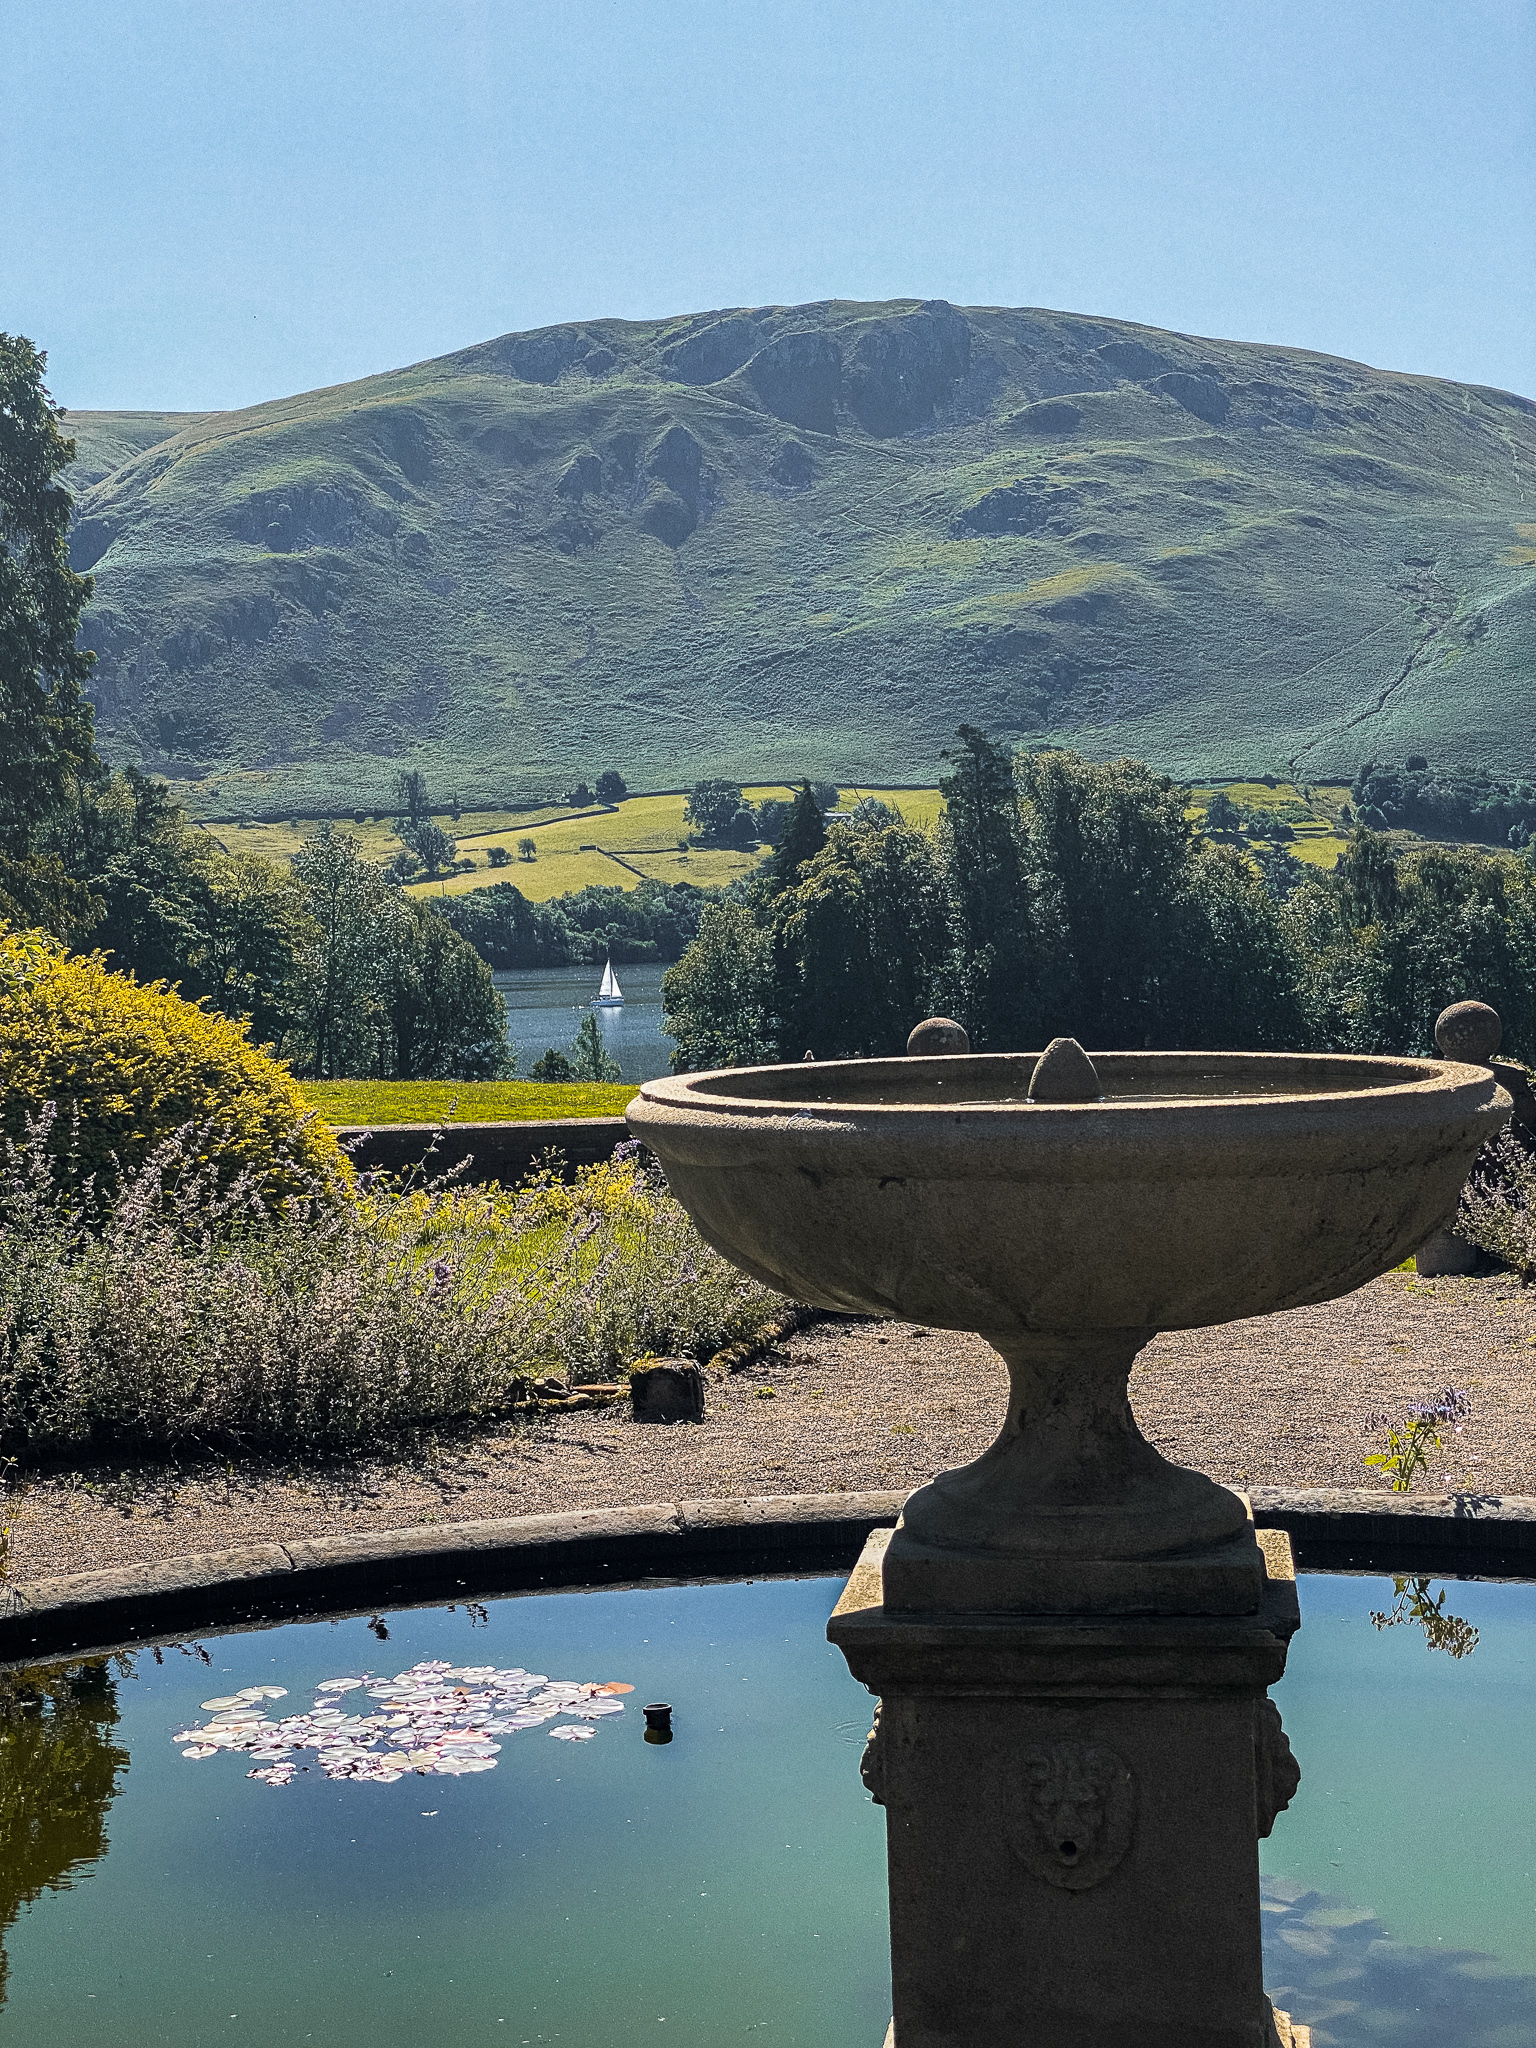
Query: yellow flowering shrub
<point x="129" y="1064"/>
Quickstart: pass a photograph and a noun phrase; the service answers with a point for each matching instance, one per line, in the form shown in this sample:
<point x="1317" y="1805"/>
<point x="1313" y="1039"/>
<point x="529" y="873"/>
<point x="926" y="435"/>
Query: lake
<point x="545" y="1006"/>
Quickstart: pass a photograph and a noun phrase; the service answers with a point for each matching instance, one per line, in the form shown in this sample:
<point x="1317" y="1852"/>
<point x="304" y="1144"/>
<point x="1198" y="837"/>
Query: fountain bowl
<point x="1200" y="1188"/>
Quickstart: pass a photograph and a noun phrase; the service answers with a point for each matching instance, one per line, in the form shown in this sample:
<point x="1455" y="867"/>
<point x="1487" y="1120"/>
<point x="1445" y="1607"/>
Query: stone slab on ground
<point x="847" y="1406"/>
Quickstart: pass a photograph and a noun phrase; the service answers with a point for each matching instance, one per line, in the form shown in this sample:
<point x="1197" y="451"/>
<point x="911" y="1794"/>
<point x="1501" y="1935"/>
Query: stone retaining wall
<point x="506" y="1152"/>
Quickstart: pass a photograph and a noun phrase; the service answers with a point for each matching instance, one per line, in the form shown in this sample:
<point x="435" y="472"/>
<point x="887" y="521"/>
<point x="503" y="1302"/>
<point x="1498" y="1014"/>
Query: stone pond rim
<point x="257" y="1585"/>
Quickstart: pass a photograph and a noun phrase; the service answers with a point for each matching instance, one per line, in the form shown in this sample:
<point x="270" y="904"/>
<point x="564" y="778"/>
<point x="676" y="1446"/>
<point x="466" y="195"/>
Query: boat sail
<point x="610" y="995"/>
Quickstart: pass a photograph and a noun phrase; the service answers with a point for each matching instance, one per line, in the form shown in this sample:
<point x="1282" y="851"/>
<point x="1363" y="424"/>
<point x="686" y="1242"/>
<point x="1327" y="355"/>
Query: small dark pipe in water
<point x="658" y="1721"/>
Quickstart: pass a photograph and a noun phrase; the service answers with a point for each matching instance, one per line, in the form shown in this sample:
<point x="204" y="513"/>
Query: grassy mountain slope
<point x="811" y="539"/>
<point x="106" y="440"/>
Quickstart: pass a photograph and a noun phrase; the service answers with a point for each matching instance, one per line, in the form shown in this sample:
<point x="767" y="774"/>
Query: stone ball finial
<point x="937" y="1035"/>
<point x="1469" y="1032"/>
<point x="1064" y="1073"/>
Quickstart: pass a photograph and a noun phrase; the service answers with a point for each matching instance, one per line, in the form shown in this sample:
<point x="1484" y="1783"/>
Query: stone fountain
<point x="1071" y="1637"/>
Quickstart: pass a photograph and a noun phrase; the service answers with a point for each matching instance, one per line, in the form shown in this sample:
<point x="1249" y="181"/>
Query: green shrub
<point x="129" y="1065"/>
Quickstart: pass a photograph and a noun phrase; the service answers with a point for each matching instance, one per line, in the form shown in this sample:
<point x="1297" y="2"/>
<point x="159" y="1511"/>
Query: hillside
<point x="811" y="539"/>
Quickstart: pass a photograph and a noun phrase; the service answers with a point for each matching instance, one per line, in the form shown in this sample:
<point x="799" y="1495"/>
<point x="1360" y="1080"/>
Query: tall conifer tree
<point x="994" y="986"/>
<point x="804" y="836"/>
<point x="45" y="722"/>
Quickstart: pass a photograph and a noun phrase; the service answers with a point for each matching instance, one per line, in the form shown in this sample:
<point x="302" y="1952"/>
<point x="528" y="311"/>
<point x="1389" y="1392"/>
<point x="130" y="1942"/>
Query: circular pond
<point x="730" y="1884"/>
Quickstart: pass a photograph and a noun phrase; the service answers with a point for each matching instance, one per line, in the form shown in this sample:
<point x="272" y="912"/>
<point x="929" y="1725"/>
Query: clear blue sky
<point x="204" y="203"/>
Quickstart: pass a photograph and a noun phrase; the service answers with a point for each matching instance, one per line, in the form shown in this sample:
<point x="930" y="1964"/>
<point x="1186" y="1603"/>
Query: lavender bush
<point x="1411" y="1437"/>
<point x="177" y="1313"/>
<point x="1497" y="1210"/>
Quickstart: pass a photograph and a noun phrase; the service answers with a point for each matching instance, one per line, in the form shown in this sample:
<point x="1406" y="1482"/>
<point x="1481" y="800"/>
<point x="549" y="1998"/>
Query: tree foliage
<point x="1387" y="940"/>
<point x="713" y="809"/>
<point x="718" y="999"/>
<point x="45" y="721"/>
<point x="586" y="1059"/>
<point x="803" y="836"/>
<point x="1060" y="895"/>
<point x="859" y="943"/>
<point x="1110" y="871"/>
<point x="991" y="977"/>
<point x="1446" y="802"/>
<point x="338" y="1007"/>
<point x="654" y="922"/>
<point x="171" y="904"/>
<point x="385" y="985"/>
<point x="443" y="1018"/>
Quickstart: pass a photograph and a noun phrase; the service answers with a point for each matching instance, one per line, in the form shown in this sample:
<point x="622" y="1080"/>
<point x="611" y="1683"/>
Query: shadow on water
<point x="1334" y="1966"/>
<point x="59" y="1772"/>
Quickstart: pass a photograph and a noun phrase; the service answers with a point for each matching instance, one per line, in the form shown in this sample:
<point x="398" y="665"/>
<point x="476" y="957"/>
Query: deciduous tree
<point x="718" y="999"/>
<point x="860" y="943"/>
<point x="712" y="809"/>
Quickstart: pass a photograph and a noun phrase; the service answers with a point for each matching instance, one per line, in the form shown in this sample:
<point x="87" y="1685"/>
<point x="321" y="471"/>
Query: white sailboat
<point x="610" y="996"/>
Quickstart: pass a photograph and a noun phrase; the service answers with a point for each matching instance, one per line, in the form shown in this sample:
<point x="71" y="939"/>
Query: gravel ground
<point x="846" y="1406"/>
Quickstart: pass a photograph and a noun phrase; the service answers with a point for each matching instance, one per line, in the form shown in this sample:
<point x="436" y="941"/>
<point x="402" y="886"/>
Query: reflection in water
<point x="1336" y="1968"/>
<point x="1412" y="1605"/>
<point x="58" y="1775"/>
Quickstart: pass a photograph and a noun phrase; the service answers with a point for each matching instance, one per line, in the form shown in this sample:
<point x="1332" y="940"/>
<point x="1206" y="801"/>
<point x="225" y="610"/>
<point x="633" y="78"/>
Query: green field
<point x="618" y="846"/>
<point x="1312" y="814"/>
<point x="463" y="1102"/>
<point x="807" y="540"/>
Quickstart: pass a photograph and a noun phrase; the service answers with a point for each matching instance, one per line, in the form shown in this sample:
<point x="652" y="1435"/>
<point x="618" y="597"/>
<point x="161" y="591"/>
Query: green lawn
<point x="464" y="1102"/>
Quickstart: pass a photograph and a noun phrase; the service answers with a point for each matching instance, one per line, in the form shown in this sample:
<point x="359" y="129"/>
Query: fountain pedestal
<point x="1073" y="1810"/>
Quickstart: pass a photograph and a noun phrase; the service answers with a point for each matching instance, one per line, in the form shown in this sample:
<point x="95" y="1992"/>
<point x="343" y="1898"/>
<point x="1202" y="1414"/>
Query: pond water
<point x="545" y="1006"/>
<point x="728" y="1886"/>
